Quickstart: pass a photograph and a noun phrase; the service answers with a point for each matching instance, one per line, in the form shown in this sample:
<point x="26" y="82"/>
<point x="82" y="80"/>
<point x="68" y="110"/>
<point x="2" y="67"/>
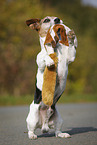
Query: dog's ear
<point x="34" y="24"/>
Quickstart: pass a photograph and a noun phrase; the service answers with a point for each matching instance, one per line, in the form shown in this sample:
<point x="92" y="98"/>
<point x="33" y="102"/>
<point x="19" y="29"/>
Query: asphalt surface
<point x="80" y="120"/>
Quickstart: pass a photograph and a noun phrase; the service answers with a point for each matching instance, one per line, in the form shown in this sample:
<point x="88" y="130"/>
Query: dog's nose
<point x="57" y="20"/>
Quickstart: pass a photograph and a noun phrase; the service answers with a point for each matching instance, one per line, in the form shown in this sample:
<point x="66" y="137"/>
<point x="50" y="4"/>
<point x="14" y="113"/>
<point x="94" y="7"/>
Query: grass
<point x="78" y="98"/>
<point x="25" y="100"/>
<point x="15" y="100"/>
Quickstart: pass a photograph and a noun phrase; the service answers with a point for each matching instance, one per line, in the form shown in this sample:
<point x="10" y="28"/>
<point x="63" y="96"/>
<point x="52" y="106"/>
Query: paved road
<point x="80" y="120"/>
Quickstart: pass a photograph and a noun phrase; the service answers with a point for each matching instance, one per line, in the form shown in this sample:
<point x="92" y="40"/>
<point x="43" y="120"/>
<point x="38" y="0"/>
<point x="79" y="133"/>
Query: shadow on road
<point x="46" y="135"/>
<point x="71" y="132"/>
<point x="81" y="130"/>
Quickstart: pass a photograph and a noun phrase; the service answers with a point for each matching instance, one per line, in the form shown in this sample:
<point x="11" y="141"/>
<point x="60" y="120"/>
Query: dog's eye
<point x="46" y="20"/>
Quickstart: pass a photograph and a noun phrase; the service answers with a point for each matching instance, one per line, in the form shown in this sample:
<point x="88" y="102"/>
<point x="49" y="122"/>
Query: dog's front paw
<point x="49" y="62"/>
<point x="31" y="135"/>
<point x="63" y="135"/>
<point x="71" y="35"/>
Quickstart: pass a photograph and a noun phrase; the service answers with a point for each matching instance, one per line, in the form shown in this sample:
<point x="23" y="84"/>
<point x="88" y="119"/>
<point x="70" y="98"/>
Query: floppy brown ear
<point x="34" y="24"/>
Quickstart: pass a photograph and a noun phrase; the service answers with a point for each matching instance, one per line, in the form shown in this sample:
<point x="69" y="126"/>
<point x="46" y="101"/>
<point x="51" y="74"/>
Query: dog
<point x="41" y="115"/>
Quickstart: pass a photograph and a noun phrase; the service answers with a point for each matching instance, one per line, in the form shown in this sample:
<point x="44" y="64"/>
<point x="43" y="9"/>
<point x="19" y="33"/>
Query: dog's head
<point x="43" y="25"/>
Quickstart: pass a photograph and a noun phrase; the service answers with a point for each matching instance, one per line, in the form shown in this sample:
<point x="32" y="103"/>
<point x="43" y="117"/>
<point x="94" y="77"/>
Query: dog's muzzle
<point x="57" y="21"/>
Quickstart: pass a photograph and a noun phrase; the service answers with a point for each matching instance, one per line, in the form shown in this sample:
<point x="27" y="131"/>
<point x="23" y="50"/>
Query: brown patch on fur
<point x="63" y="35"/>
<point x="34" y="24"/>
<point x="49" y="82"/>
<point x="49" y="40"/>
<point x="57" y="28"/>
<point x="56" y="38"/>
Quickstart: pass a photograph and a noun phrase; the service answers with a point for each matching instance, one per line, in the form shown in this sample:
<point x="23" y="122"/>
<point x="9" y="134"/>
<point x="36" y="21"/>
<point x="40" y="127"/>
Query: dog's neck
<point x="42" y="40"/>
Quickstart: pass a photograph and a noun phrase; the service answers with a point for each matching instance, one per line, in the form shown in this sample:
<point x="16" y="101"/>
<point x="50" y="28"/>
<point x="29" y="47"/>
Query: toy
<point x="49" y="77"/>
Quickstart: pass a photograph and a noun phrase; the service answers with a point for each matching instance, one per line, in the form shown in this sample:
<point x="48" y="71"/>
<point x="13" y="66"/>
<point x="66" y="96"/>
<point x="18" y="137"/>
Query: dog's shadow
<point x="73" y="131"/>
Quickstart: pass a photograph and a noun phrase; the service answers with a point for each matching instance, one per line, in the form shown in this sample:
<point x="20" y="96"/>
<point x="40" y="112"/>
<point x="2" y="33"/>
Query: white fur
<point x="34" y="121"/>
<point x="45" y="118"/>
<point x="65" y="54"/>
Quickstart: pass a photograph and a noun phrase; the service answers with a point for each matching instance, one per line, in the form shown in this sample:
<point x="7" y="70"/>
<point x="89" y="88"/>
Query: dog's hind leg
<point x="33" y="120"/>
<point x="45" y="119"/>
<point x="46" y="113"/>
<point x="58" y="125"/>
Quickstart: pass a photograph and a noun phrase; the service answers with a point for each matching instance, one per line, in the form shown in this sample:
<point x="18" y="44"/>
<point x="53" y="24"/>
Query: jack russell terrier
<point x="41" y="115"/>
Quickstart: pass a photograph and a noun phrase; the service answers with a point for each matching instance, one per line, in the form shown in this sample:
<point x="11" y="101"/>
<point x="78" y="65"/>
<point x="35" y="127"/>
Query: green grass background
<point x="26" y="100"/>
<point x="19" y="47"/>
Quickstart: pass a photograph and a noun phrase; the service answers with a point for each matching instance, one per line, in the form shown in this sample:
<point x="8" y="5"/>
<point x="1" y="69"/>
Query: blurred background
<point x="19" y="46"/>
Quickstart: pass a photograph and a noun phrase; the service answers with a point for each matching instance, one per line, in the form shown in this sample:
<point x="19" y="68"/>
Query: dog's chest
<point x="62" y="68"/>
